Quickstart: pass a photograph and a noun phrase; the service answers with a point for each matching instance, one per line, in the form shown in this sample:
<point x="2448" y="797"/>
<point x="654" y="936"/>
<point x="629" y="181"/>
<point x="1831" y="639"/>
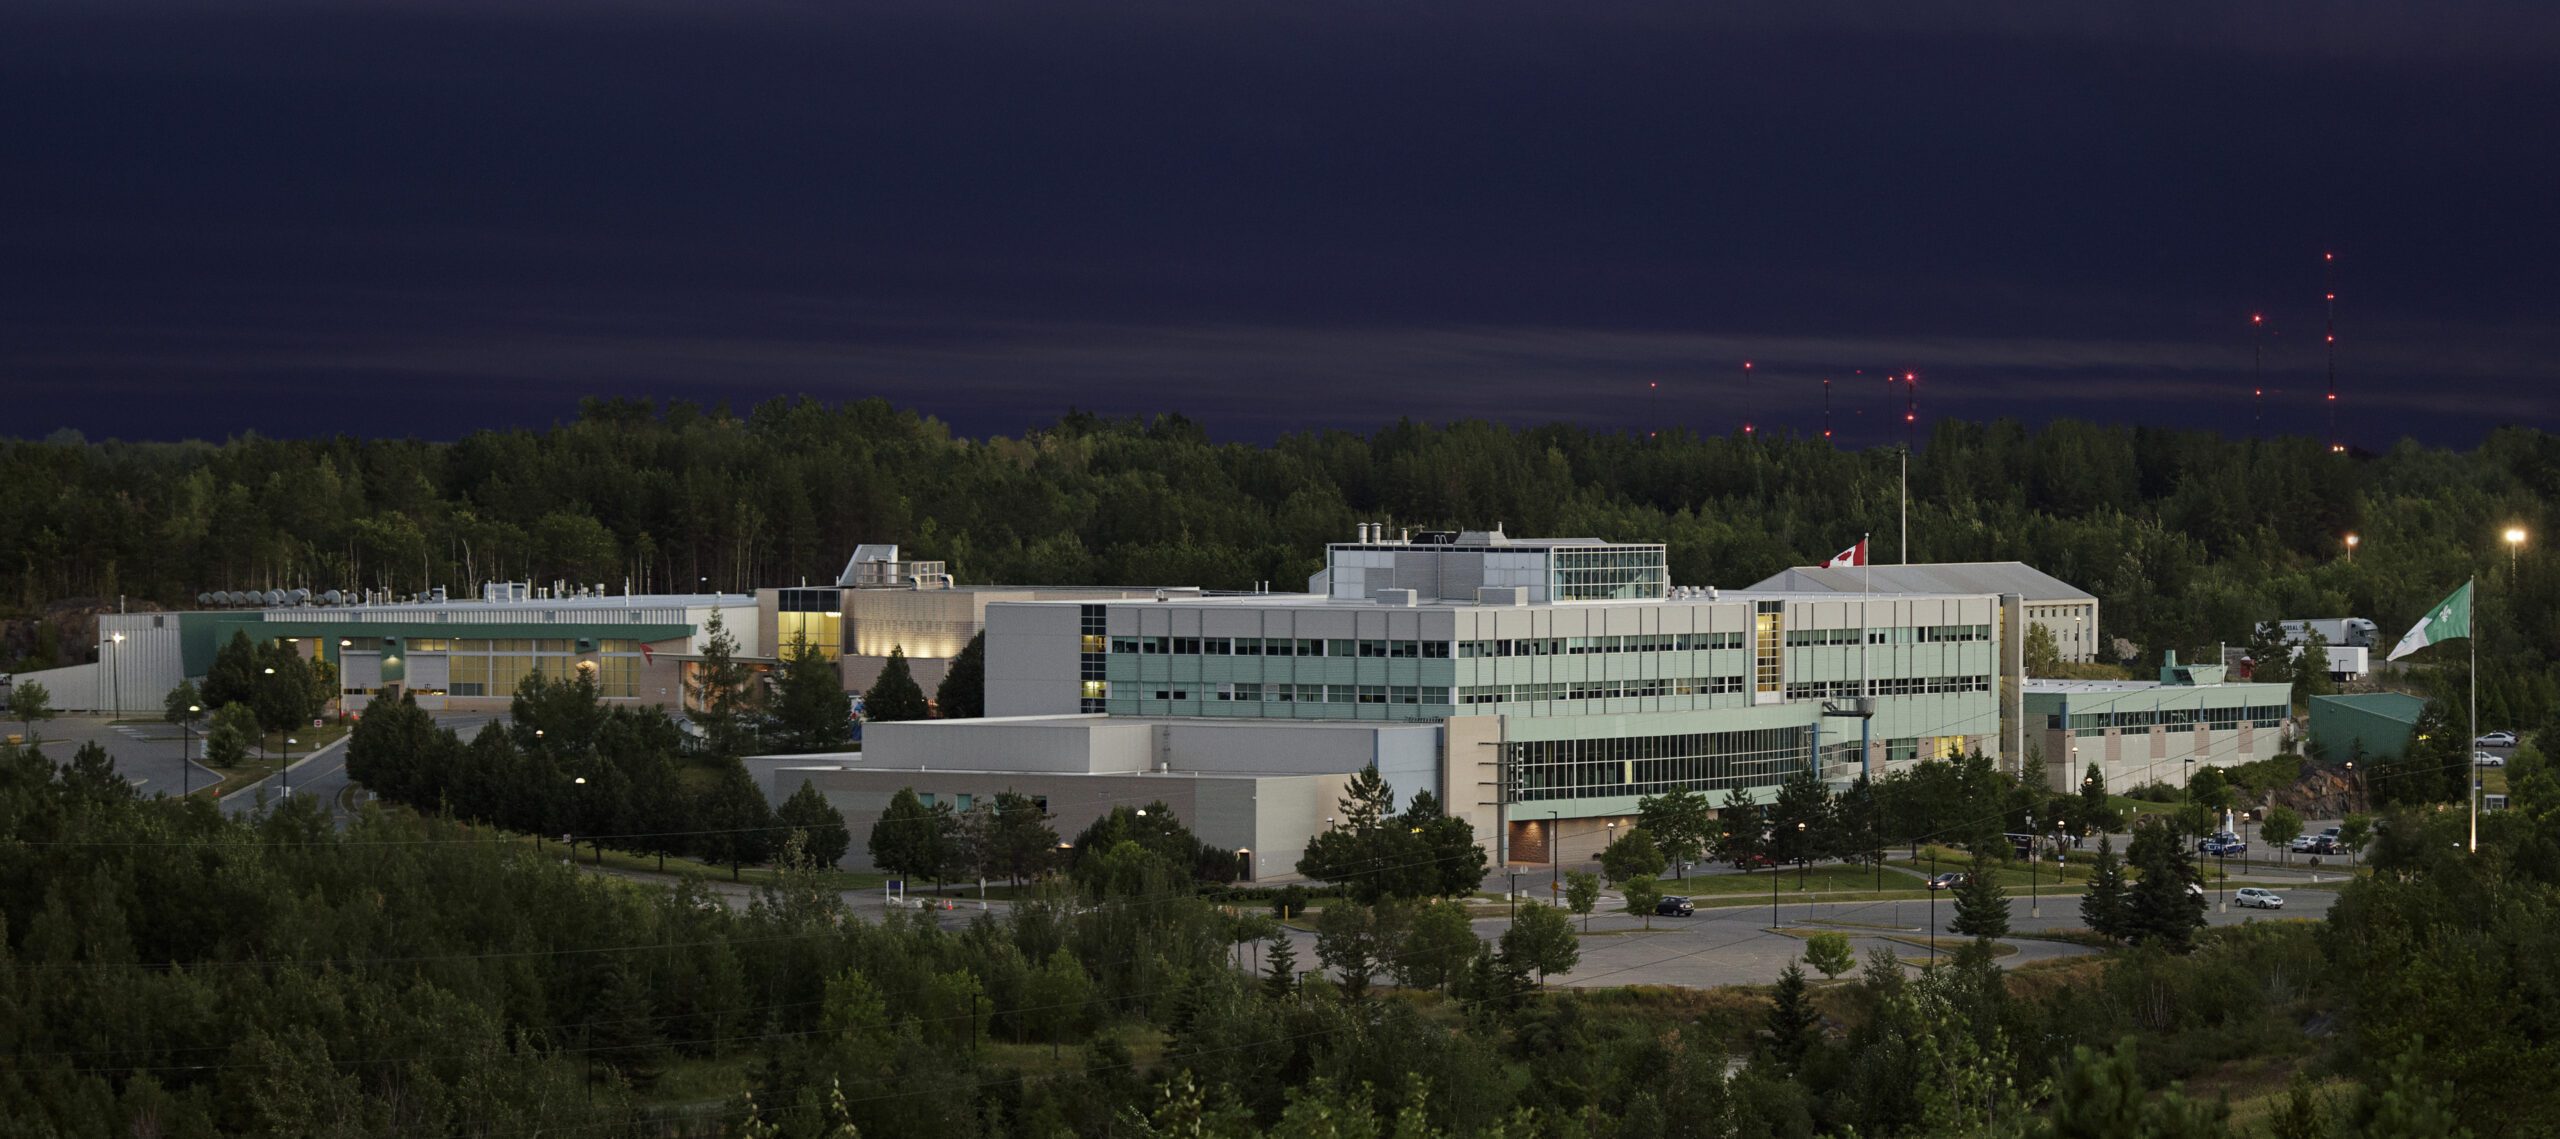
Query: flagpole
<point x="2470" y="770"/>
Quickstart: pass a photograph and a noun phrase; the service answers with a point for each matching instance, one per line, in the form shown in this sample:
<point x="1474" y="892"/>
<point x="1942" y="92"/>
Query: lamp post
<point x="592" y="839"/>
<point x="1554" y="840"/>
<point x="1803" y="864"/>
<point x="2514" y="536"/>
<point x="186" y="750"/>
<point x="262" y="743"/>
<point x="2035" y="901"/>
<point x="287" y="773"/>
<point x="119" y="670"/>
<point x="2351" y="546"/>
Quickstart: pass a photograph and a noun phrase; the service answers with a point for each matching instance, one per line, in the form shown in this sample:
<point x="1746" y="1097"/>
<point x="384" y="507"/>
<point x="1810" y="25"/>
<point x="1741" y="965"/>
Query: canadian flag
<point x="1853" y="556"/>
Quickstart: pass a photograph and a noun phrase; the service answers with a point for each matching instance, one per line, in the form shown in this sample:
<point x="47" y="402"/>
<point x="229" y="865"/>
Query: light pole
<point x="592" y="840"/>
<point x="1554" y="840"/>
<point x="119" y="669"/>
<point x="2514" y="536"/>
<point x="2035" y="901"/>
<point x="2351" y="546"/>
<point x="186" y="750"/>
<point x="1803" y="864"/>
<point x="287" y="773"/>
<point x="262" y="744"/>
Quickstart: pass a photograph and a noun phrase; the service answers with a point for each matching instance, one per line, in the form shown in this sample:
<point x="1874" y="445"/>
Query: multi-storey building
<point x="1540" y="688"/>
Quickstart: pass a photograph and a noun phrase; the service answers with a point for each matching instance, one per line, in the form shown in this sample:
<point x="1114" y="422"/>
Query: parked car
<point x="2257" y="898"/>
<point x="2496" y="739"/>
<point x="1947" y="881"/>
<point x="1672" y="907"/>
<point x="2224" y="845"/>
<point x="2326" y="844"/>
<point x="2486" y="759"/>
<point x="2303" y="844"/>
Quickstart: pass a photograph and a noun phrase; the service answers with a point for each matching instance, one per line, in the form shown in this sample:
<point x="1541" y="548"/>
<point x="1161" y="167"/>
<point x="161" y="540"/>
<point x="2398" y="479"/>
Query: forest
<point x="2189" y="538"/>
<point x="168" y="970"/>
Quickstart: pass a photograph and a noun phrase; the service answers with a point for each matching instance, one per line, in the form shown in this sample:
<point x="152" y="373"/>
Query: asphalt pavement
<point x="146" y="752"/>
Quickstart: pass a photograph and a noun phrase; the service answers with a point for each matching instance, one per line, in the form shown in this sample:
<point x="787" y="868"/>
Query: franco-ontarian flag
<point x="2449" y="619"/>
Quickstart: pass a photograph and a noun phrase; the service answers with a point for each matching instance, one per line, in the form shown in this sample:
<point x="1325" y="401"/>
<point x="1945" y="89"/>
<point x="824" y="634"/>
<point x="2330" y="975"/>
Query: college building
<point x="1537" y="687"/>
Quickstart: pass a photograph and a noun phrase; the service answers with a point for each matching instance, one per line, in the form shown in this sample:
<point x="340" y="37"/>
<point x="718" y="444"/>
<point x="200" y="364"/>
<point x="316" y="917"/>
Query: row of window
<point x="2175" y="719"/>
<point x="1581" y="646"/>
<point x="1887" y="686"/>
<point x="1647" y="765"/>
<point x="1275" y="693"/>
<point x="1278" y="647"/>
<point x="1891" y="635"/>
<point x="1598" y="689"/>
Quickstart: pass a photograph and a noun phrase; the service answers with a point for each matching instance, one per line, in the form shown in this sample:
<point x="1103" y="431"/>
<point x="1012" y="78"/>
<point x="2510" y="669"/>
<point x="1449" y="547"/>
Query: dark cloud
<point x="432" y="216"/>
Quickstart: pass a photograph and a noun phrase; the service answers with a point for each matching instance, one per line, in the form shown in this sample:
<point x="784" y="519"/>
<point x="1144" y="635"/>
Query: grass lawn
<point x="2128" y="806"/>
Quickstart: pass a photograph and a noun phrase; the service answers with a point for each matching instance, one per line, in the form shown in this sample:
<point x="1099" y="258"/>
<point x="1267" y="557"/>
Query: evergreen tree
<point x="1793" y="1025"/>
<point x="1982" y="906"/>
<point x="739" y="822"/>
<point x="907" y="839"/>
<point x="2102" y="907"/>
<point x="1018" y="842"/>
<point x="2311" y="671"/>
<point x="183" y="705"/>
<point x="717" y="694"/>
<point x="895" y="696"/>
<point x="2270" y="654"/>
<point x="810" y="705"/>
<point x="1739" y="836"/>
<point x="1350" y="942"/>
<point x="821" y="827"/>
<point x="963" y="692"/>
<point x="232" y="677"/>
<point x="1453" y="861"/>
<point x="1800" y="821"/>
<point x="2162" y="909"/>
<point x="233" y="732"/>
<point x="1369" y="851"/>
<point x="1280" y="971"/>
<point x="2094" y="812"/>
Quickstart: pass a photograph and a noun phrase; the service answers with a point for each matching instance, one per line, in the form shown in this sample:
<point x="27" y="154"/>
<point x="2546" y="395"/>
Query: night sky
<point x="419" y="218"/>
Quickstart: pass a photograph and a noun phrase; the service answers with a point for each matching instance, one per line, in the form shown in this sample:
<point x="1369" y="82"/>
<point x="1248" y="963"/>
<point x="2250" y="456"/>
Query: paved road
<point x="146" y="753"/>
<point x="1732" y="945"/>
<point x="323" y="774"/>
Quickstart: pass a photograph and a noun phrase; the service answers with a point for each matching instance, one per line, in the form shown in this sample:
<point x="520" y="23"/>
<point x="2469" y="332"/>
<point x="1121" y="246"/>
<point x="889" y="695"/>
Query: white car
<point x="2303" y="843"/>
<point x="2485" y="759"/>
<point x="2259" y="898"/>
<point x="2496" y="739"/>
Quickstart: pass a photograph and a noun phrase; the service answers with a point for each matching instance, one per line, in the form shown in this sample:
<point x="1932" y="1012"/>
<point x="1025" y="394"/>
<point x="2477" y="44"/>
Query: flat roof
<point x="1103" y="718"/>
<point x="2036" y="687"/>
<point x="1933" y="577"/>
<point x="1322" y="601"/>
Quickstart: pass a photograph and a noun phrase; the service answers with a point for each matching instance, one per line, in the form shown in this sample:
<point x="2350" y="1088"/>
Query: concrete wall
<point x="1034" y="652"/>
<point x="1270" y="817"/>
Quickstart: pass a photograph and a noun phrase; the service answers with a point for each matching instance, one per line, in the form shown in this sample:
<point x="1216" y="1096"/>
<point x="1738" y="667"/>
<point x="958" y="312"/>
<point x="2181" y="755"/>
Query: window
<point x="1341" y="648"/>
<point x="1373" y="648"/>
<point x="1435" y="650"/>
<point x="1404" y="648"/>
<point x="1707" y="762"/>
<point x="1186" y="646"/>
<point x="1216" y="646"/>
<point x="1404" y="694"/>
<point x="1769" y="623"/>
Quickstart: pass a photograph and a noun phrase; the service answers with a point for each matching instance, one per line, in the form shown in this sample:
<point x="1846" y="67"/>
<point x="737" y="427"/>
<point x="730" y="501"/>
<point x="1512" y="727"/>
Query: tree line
<point x="2189" y="539"/>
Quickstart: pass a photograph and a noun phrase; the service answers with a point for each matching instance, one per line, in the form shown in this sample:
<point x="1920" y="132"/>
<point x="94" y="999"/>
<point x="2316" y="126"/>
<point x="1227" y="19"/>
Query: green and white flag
<point x="2449" y="619"/>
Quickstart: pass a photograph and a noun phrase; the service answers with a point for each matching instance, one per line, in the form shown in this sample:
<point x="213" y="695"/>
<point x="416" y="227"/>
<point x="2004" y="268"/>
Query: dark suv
<point x="1674" y="907"/>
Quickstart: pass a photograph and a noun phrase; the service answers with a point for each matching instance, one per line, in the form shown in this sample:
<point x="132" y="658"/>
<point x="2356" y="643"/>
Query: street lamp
<point x="186" y="749"/>
<point x="2514" y="536"/>
<point x="1554" y="840"/>
<point x="287" y="773"/>
<point x="2351" y="546"/>
<point x="119" y="672"/>
<point x="592" y="839"/>
<point x="1803" y="864"/>
<point x="2035" y="901"/>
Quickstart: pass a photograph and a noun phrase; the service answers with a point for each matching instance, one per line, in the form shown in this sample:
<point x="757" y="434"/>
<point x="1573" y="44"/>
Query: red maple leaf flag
<point x="1853" y="556"/>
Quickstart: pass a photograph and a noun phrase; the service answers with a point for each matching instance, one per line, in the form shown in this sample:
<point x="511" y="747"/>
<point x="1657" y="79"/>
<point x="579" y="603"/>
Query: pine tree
<point x="963" y="692"/>
<point x="2162" y="909"/>
<point x="1794" y="1024"/>
<point x="2103" y="906"/>
<point x="1280" y="976"/>
<point x="717" y="692"/>
<point x="895" y="696"/>
<point x="810" y="704"/>
<point x="232" y="677"/>
<point x="1982" y="906"/>
<point x="823" y="835"/>
<point x="906" y="839"/>
<point x="1737" y="838"/>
